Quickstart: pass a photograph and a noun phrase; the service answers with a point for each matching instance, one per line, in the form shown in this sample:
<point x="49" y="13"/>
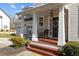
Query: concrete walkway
<point x="4" y="42"/>
<point x="10" y="51"/>
<point x="28" y="53"/>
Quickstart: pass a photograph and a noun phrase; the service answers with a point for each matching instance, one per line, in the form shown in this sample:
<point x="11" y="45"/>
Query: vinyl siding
<point x="73" y="23"/>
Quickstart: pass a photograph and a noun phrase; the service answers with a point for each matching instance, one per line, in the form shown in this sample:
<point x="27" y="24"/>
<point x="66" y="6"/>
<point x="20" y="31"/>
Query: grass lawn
<point x="4" y="34"/>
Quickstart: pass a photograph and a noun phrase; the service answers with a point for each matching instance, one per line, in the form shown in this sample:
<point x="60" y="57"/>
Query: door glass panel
<point x="55" y="27"/>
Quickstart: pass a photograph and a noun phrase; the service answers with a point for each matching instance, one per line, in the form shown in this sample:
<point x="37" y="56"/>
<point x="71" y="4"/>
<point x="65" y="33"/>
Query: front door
<point x="55" y="27"/>
<point x="29" y="32"/>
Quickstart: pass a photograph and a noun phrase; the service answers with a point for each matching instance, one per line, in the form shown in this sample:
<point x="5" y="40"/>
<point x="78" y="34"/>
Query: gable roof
<point x="5" y="13"/>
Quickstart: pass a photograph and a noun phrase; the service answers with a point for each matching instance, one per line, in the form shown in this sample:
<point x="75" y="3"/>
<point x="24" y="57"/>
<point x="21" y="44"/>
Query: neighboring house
<point x="12" y="23"/>
<point x="53" y="20"/>
<point x="4" y="21"/>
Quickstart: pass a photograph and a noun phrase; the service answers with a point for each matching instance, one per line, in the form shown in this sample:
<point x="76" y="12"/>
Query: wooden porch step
<point x="50" y="41"/>
<point x="43" y="42"/>
<point x="43" y="49"/>
<point x="42" y="52"/>
<point x="53" y="50"/>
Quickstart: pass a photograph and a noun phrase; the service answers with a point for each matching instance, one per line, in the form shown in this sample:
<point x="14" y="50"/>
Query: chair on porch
<point x="41" y="34"/>
<point x="46" y="31"/>
<point x="44" y="34"/>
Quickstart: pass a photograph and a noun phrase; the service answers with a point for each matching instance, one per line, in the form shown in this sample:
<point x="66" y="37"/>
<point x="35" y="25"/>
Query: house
<point x="4" y="21"/>
<point x="12" y="24"/>
<point x="57" y="21"/>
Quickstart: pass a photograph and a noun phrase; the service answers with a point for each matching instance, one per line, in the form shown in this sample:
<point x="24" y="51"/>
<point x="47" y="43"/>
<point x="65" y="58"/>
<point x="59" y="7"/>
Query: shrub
<point x="70" y="49"/>
<point x="27" y="42"/>
<point x="19" y="42"/>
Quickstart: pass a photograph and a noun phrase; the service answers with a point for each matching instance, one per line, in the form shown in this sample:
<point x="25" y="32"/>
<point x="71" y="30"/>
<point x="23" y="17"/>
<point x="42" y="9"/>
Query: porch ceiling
<point x="46" y="12"/>
<point x="45" y="9"/>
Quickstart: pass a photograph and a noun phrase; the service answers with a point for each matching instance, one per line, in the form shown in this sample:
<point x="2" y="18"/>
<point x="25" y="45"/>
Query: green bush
<point x="27" y="43"/>
<point x="19" y="42"/>
<point x="70" y="49"/>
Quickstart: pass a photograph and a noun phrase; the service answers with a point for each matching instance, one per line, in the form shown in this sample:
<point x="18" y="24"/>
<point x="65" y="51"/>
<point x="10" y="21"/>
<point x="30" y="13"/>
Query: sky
<point x="12" y="8"/>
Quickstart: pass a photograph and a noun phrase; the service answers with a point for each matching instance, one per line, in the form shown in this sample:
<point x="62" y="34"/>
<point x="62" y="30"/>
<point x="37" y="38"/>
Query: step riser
<point x="49" y="42"/>
<point x="49" y="39"/>
<point x="45" y="49"/>
<point x="43" y="42"/>
<point x="39" y="52"/>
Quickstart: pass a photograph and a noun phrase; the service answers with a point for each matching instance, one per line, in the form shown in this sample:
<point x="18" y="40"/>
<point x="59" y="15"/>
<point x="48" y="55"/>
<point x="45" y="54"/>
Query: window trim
<point x="43" y="21"/>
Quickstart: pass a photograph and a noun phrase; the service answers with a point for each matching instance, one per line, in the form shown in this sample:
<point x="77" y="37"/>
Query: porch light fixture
<point x="51" y="13"/>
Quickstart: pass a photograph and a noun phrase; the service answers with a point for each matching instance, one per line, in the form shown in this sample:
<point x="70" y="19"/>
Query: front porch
<point x="48" y="30"/>
<point x="58" y="22"/>
<point x="50" y="22"/>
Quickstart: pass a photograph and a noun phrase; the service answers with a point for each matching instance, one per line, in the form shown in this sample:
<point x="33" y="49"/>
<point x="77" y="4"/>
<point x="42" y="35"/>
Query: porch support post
<point x="34" y="28"/>
<point x="22" y="28"/>
<point x="61" y="29"/>
<point x="21" y="34"/>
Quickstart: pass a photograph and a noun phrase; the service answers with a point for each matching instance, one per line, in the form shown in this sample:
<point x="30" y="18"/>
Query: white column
<point x="21" y="34"/>
<point x="61" y="29"/>
<point x="22" y="28"/>
<point x="34" y="28"/>
<point x="49" y="27"/>
<point x="49" y="24"/>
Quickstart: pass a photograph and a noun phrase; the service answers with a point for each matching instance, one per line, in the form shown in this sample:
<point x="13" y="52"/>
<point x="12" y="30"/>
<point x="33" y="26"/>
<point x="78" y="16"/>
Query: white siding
<point x="28" y="23"/>
<point x="73" y="22"/>
<point x="5" y="21"/>
<point x="18" y="28"/>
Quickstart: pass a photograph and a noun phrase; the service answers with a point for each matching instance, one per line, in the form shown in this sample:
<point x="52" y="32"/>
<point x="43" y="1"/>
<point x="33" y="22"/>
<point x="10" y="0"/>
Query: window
<point x="5" y="26"/>
<point x="41" y="21"/>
